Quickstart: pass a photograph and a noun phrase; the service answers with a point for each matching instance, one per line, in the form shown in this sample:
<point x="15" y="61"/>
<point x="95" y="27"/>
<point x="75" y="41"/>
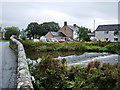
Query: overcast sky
<point x="20" y="14"/>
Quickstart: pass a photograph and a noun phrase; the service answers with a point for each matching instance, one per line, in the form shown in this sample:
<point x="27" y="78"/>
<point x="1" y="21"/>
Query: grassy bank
<point x="53" y="74"/>
<point x="71" y="46"/>
<point x="4" y="40"/>
<point x="53" y="46"/>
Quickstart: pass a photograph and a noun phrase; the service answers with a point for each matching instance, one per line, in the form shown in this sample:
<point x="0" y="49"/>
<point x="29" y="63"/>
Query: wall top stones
<point x="23" y="75"/>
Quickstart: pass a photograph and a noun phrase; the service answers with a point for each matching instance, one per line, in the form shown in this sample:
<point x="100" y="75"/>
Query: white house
<point x="106" y="33"/>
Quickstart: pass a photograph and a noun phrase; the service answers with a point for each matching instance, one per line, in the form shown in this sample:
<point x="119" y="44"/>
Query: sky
<point x="20" y="14"/>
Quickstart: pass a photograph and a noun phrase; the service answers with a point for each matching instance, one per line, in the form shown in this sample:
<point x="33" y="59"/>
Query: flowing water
<point x="85" y="58"/>
<point x="81" y="58"/>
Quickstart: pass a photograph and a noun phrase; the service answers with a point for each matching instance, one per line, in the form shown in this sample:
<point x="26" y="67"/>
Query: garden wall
<point x="23" y="75"/>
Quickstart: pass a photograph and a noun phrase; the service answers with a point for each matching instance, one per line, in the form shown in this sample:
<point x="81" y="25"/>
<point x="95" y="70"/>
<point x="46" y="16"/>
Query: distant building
<point x="91" y="36"/>
<point x="57" y="35"/>
<point x="106" y="33"/>
<point x="67" y="31"/>
<point x="1" y="34"/>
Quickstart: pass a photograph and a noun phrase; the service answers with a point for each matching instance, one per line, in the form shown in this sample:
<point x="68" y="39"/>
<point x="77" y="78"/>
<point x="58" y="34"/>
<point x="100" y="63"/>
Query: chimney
<point x="65" y="23"/>
<point x="74" y="25"/>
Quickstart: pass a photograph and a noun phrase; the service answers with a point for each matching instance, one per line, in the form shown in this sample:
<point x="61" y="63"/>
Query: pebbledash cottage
<point x="106" y="33"/>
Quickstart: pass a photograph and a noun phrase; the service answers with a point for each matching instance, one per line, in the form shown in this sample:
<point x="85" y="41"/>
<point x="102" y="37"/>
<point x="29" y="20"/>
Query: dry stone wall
<point x="23" y="75"/>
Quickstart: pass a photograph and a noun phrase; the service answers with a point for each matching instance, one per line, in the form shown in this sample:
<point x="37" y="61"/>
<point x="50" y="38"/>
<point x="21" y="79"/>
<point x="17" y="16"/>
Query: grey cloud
<point x="25" y="12"/>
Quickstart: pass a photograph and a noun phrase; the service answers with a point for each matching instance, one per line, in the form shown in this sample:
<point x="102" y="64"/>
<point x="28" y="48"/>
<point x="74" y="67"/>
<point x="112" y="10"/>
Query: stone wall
<point x="23" y="75"/>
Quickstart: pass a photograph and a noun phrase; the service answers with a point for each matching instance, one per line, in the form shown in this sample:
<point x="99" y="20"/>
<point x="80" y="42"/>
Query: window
<point x="106" y="39"/>
<point x="115" y="39"/>
<point x="106" y="32"/>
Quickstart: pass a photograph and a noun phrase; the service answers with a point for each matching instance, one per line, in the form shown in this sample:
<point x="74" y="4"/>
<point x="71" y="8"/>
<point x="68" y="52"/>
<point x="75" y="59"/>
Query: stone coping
<point x="23" y="75"/>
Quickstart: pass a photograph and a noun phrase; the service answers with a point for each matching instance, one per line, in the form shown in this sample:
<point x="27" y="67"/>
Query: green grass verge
<point x="4" y="40"/>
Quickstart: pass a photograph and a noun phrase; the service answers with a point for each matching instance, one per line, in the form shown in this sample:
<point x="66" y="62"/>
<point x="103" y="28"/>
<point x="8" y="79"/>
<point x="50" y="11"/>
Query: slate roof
<point x="111" y="27"/>
<point x="58" y="34"/>
<point x="73" y="28"/>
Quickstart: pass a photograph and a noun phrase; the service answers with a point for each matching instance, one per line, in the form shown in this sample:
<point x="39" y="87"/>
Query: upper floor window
<point x="106" y="32"/>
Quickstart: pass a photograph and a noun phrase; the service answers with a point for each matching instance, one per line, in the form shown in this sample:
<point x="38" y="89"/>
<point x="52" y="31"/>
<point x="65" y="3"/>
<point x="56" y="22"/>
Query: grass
<point x="96" y="48"/>
<point x="71" y="46"/>
<point x="4" y="40"/>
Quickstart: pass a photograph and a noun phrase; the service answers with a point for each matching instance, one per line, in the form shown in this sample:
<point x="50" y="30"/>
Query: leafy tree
<point x="35" y="29"/>
<point x="11" y="31"/>
<point x="83" y="34"/>
<point x="32" y="29"/>
<point x="117" y="32"/>
<point x="49" y="26"/>
<point x="23" y="35"/>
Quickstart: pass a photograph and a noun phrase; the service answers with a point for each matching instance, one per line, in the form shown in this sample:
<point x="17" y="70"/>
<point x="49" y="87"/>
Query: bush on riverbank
<point x="97" y="43"/>
<point x="114" y="47"/>
<point x="71" y="46"/>
<point x="54" y="74"/>
<point x="53" y="46"/>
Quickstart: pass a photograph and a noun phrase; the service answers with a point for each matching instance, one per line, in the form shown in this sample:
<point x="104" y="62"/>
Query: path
<point x="8" y="64"/>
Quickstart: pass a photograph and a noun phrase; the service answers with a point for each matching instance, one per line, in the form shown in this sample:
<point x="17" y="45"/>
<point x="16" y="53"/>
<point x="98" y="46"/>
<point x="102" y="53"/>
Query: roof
<point x="58" y="34"/>
<point x="73" y="28"/>
<point x="111" y="27"/>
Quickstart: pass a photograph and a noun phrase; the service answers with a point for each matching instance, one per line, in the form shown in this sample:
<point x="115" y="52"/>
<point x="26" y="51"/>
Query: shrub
<point x="98" y="43"/>
<point x="23" y="37"/>
<point x="53" y="46"/>
<point x="11" y="31"/>
<point x="96" y="48"/>
<point x="54" y="74"/>
<point x="114" y="47"/>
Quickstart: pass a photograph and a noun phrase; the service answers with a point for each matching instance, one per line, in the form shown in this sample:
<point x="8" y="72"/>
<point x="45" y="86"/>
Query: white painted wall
<point x="100" y="35"/>
<point x="75" y="35"/>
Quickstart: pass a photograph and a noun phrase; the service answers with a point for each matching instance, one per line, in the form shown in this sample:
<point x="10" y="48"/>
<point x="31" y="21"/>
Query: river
<point x="78" y="58"/>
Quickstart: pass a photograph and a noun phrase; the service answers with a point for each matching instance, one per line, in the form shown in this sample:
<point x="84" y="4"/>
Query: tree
<point x="11" y="31"/>
<point x="32" y="29"/>
<point x="83" y="34"/>
<point x="49" y="26"/>
<point x="117" y="32"/>
<point x="35" y="29"/>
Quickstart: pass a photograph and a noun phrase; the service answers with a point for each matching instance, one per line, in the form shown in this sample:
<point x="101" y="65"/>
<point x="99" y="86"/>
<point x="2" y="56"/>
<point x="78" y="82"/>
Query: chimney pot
<point x="74" y="25"/>
<point x="65" y="23"/>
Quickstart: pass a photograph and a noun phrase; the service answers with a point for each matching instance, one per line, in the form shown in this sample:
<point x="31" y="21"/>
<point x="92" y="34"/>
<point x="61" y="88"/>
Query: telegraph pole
<point x="94" y="26"/>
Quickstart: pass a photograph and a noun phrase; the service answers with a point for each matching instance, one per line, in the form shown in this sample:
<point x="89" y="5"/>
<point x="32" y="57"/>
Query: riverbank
<point x="55" y="74"/>
<point x="31" y="46"/>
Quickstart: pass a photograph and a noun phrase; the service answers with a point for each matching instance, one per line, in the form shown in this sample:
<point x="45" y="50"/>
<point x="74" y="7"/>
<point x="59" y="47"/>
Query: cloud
<point x="82" y="13"/>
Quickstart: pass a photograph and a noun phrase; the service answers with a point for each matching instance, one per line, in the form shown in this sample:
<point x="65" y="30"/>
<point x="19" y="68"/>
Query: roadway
<point x="8" y="77"/>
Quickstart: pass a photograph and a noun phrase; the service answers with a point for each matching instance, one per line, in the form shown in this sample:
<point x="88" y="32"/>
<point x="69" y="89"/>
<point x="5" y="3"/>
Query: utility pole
<point x="1" y="28"/>
<point x="94" y="26"/>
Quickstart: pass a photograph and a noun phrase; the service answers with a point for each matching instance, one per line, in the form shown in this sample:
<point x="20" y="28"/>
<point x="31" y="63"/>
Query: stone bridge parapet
<point x="24" y="81"/>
